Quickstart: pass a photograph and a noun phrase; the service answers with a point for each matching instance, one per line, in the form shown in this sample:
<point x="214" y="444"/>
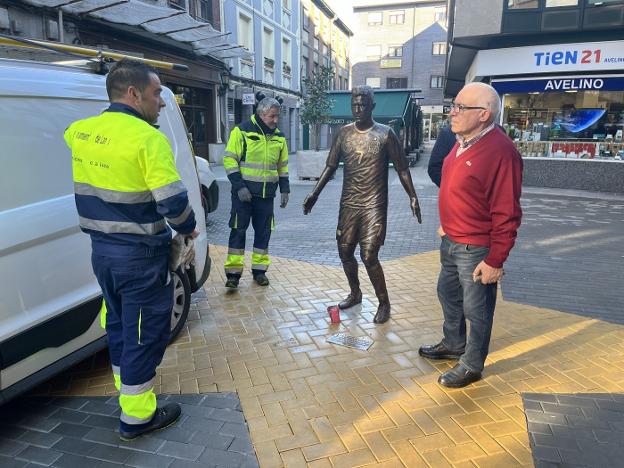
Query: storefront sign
<point x="578" y="57"/>
<point x="249" y="99"/>
<point x="390" y="63"/>
<point x="560" y="84"/>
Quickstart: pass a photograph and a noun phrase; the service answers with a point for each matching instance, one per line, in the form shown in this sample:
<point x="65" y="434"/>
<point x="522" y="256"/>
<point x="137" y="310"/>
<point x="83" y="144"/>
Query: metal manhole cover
<point x="358" y="342"/>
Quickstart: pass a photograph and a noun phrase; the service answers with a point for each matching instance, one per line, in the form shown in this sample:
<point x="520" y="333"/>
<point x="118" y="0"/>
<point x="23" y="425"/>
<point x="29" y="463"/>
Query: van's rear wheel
<point x="181" y="301"/>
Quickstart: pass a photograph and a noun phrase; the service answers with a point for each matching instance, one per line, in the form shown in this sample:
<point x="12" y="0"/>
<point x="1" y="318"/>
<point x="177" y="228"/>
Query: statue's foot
<point x="352" y="299"/>
<point x="383" y="313"/>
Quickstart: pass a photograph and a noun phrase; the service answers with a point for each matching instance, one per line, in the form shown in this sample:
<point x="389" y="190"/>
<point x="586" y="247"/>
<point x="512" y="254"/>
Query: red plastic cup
<point x="334" y="314"/>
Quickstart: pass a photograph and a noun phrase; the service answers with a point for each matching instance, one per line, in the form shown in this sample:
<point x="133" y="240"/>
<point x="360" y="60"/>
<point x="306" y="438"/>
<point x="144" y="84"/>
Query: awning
<point x="169" y="22"/>
<point x="391" y="106"/>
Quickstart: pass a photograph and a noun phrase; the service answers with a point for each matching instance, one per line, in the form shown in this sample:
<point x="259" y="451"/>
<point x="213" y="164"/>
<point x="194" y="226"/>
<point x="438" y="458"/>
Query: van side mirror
<point x="190" y="136"/>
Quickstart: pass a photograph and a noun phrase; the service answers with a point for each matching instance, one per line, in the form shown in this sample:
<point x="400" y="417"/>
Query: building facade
<point x="325" y="41"/>
<point x="402" y="44"/>
<point x="558" y="66"/>
<point x="559" y="69"/>
<point x="159" y="31"/>
<point x="268" y="31"/>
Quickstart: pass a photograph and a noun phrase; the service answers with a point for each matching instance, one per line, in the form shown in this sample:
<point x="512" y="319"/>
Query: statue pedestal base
<point x="310" y="164"/>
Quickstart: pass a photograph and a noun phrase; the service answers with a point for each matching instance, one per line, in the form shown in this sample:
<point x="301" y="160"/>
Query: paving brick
<point x="71" y="430"/>
<point x="40" y="439"/>
<point x="6" y="462"/>
<point x="68" y="460"/>
<point x="74" y="446"/>
<point x="148" y="460"/>
<point x="9" y="447"/>
<point x="180" y="450"/>
<point x="39" y="455"/>
<point x="105" y="453"/>
<point x="221" y="457"/>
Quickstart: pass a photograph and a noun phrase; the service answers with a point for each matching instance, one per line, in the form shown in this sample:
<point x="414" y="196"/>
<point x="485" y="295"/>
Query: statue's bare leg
<point x="370" y="257"/>
<point x="350" y="266"/>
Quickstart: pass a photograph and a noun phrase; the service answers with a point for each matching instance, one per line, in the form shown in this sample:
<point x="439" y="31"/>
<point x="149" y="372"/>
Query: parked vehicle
<point x="209" y="187"/>
<point x="49" y="297"/>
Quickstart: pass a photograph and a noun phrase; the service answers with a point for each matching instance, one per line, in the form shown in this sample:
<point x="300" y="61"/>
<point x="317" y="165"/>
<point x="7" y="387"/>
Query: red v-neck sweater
<point x="479" y="198"/>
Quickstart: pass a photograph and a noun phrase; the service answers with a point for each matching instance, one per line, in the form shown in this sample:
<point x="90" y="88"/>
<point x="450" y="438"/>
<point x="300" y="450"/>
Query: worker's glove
<point x="284" y="200"/>
<point x="244" y="195"/>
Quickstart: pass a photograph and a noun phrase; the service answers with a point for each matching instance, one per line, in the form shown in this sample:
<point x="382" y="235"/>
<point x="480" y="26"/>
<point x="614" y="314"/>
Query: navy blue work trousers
<point x="139" y="299"/>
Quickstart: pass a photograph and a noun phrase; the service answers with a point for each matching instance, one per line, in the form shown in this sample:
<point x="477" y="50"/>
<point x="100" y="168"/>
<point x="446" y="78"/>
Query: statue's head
<point x="362" y="103"/>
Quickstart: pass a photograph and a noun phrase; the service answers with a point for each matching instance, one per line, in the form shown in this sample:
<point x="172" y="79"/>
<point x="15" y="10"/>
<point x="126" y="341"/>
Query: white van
<point x="49" y="297"/>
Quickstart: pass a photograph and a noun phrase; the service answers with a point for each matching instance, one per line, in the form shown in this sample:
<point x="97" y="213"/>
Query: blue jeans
<point x="462" y="299"/>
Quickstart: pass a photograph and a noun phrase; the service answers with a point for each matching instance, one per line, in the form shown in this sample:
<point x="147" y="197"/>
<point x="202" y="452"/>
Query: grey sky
<point x="344" y="9"/>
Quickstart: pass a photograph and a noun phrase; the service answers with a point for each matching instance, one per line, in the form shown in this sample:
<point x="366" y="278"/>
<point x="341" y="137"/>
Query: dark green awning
<point x="391" y="106"/>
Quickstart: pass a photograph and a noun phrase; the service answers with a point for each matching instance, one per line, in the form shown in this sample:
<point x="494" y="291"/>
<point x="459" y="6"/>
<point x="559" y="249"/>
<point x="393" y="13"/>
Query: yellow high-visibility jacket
<point x="257" y="158"/>
<point x="126" y="183"/>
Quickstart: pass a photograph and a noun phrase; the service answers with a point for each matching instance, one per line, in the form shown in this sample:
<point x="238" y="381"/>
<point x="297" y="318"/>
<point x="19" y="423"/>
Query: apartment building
<point x="558" y="67"/>
<point x="401" y="44"/>
<point x="325" y="41"/>
<point x="268" y="31"/>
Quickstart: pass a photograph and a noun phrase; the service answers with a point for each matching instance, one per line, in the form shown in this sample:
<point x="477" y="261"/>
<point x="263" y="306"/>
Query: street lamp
<point x="224" y="76"/>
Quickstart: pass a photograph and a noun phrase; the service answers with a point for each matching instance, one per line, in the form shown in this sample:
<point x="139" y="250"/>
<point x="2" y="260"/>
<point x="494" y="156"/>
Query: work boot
<point x="261" y="279"/>
<point x="383" y="313"/>
<point x="232" y="282"/>
<point x="352" y="299"/>
<point x="163" y="417"/>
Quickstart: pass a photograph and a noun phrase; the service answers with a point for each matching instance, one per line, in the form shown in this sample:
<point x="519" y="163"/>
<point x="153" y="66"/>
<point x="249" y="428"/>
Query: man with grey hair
<point x="480" y="214"/>
<point x="256" y="163"/>
<point x="366" y="147"/>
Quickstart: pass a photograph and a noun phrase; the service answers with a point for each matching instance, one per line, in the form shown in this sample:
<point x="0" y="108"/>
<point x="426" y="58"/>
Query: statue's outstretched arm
<point x="397" y="156"/>
<point x="330" y="168"/>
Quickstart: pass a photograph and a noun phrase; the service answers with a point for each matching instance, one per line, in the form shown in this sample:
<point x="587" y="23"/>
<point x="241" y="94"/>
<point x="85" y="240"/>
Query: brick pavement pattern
<point x="576" y="429"/>
<point x="80" y="432"/>
<point x="309" y="403"/>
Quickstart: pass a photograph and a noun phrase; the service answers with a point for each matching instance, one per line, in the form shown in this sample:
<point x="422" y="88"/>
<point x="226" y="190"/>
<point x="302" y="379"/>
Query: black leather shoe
<point x="458" y="377"/>
<point x="383" y="313"/>
<point x="352" y="299"/>
<point x="439" y="351"/>
<point x="163" y="417"/>
<point x="232" y="282"/>
<point x="261" y="279"/>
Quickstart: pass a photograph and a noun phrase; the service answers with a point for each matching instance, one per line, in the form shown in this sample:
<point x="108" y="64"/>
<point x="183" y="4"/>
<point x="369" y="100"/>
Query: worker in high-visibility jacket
<point x="126" y="188"/>
<point x="256" y="162"/>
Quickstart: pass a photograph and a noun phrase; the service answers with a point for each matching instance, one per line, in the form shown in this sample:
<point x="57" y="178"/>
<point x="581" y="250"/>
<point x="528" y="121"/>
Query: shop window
<point x="439" y="48"/>
<point x="373" y="82"/>
<point x="602" y="2"/>
<point x="522" y="4"/>
<point x="395" y="51"/>
<point x="375" y="18"/>
<point x="396" y="17"/>
<point x="585" y="119"/>
<point x="437" y="81"/>
<point x="396" y="83"/>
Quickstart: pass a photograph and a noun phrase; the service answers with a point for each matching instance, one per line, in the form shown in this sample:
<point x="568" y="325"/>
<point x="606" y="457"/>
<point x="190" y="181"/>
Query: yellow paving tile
<point x="407" y="454"/>
<point x="350" y="437"/>
<point x="353" y="459"/>
<point x="294" y="459"/>
<point x="462" y="452"/>
<point x="323" y="450"/>
<point x="379" y="446"/>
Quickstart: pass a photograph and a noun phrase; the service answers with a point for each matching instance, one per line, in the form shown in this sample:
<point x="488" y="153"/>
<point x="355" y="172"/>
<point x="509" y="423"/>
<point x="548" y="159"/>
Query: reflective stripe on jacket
<point x="125" y="181"/>
<point x="257" y="160"/>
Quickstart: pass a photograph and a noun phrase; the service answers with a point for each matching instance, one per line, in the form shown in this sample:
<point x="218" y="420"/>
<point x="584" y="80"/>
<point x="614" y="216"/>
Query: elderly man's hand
<point x="487" y="274"/>
<point x="244" y="195"/>
<point x="284" y="200"/>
